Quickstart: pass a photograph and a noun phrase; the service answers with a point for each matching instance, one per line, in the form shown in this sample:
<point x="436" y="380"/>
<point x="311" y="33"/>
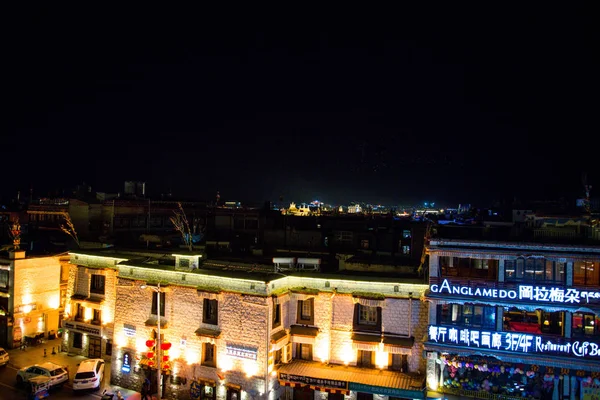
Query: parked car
<point x="57" y="373"/>
<point x="3" y="357"/>
<point x="89" y="374"/>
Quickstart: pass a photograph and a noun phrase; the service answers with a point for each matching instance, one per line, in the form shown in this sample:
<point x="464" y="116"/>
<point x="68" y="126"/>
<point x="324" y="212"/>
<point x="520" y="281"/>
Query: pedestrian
<point x="146" y="390"/>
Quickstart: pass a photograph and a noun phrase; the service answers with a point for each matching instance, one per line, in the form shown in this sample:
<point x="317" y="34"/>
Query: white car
<point x="3" y="357"/>
<point x="57" y="373"/>
<point x="89" y="374"/>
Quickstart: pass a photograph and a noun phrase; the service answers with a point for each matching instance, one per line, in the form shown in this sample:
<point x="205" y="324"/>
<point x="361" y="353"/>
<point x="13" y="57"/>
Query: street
<point x="9" y="391"/>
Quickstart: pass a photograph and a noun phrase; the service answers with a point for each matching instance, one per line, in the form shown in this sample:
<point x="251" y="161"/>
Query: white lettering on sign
<point x="512" y="341"/>
<point x="525" y="292"/>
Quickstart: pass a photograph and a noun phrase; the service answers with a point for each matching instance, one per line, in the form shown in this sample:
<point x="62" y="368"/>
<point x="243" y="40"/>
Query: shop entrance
<point x="304" y="393"/>
<point x="94" y="347"/>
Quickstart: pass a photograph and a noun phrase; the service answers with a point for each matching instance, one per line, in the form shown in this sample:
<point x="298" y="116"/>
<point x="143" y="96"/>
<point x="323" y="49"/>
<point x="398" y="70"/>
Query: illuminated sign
<point x="513" y="341"/>
<point x="249" y="353"/>
<point x="129" y="330"/>
<point x="524" y="292"/>
<point x="126" y="367"/>
<point x="81" y="328"/>
<point x="307" y="380"/>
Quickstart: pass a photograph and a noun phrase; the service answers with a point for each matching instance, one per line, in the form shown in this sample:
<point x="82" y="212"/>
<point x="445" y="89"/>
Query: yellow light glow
<point x="54" y="302"/>
<point x="107" y="315"/>
<point x="89" y="313"/>
<point x="67" y="309"/>
<point x="26" y="299"/>
<point x="192" y="356"/>
<point x="347" y="354"/>
<point x="322" y="351"/>
<point x="175" y="352"/>
<point x="381" y="359"/>
<point x="250" y="368"/>
<point x="27" y="308"/>
<point x="226" y="363"/>
<point x="120" y="340"/>
<point x="140" y="344"/>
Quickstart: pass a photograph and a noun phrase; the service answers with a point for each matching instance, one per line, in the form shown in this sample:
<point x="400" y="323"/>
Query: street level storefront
<point x="482" y="376"/>
<point x="301" y="379"/>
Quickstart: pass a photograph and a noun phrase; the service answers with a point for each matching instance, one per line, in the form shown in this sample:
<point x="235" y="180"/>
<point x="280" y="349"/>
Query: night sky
<point x="388" y="106"/>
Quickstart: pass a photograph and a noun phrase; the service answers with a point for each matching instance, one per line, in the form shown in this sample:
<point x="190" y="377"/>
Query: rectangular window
<point x="366" y="358"/>
<point x="467" y="315"/>
<point x="97" y="284"/>
<point x="162" y="303"/>
<point x="208" y="355"/>
<point x="97" y="317"/>
<point x="276" y="314"/>
<point x="367" y="318"/>
<point x="77" y="340"/>
<point x="210" y="314"/>
<point x="305" y="312"/>
<point x="399" y="362"/>
<point x="534" y="269"/>
<point x="586" y="325"/>
<point x="79" y="312"/>
<point x="3" y="279"/>
<point x="586" y="273"/>
<point x="406" y="234"/>
<point x="367" y="315"/>
<point x="364" y="244"/>
<point x="406" y="249"/>
<point x="304" y="351"/>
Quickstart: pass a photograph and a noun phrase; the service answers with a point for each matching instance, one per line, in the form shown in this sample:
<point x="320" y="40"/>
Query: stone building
<point x="30" y="297"/>
<point x="233" y="333"/>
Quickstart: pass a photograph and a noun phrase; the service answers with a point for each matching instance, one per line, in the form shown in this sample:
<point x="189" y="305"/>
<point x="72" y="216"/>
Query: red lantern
<point x="150" y="354"/>
<point x="150" y="363"/>
<point x="165" y="358"/>
<point x="166" y="366"/>
<point x="165" y="346"/>
<point x="150" y="343"/>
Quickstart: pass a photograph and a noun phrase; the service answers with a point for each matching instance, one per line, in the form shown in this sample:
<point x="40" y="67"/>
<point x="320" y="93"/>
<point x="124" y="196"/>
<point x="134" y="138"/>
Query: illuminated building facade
<point x="513" y="319"/>
<point x="90" y="304"/>
<point x="30" y="297"/>
<point x="230" y="334"/>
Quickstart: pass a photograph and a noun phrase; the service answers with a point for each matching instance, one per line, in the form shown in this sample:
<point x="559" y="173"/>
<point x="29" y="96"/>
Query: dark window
<point x="209" y="355"/>
<point x="3" y="279"/>
<point x="80" y="312"/>
<point x="97" y="318"/>
<point x="366" y="358"/>
<point x="162" y="303"/>
<point x="534" y="269"/>
<point x="406" y="234"/>
<point x="210" y="312"/>
<point x="109" y="347"/>
<point x="367" y="318"/>
<point x="304" y="351"/>
<point x="467" y="315"/>
<point x="399" y="362"/>
<point x="468" y="267"/>
<point x="306" y="312"/>
<point x="276" y="313"/>
<point x="364" y="244"/>
<point x="97" y="284"/>
<point x="77" y="340"/>
<point x="184" y="263"/>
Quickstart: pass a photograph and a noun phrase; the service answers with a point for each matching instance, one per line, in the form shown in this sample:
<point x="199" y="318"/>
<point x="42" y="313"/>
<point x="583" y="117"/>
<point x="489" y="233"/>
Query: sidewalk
<point x="35" y="355"/>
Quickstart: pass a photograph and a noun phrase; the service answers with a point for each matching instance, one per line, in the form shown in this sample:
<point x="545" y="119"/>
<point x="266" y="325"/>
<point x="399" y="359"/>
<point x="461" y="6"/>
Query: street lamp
<point x="158" y="341"/>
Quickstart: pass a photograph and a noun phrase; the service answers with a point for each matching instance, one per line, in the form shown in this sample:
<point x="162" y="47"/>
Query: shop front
<point x="491" y="377"/>
<point x="305" y="378"/>
<point x="203" y="389"/>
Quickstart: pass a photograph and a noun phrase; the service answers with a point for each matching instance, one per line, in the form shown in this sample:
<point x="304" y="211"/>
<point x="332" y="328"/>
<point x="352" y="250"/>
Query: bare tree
<point x="180" y="222"/>
<point x="69" y="228"/>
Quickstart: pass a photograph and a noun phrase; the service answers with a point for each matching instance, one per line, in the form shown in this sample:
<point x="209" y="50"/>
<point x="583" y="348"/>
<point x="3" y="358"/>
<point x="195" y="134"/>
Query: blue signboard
<point x="126" y="367"/>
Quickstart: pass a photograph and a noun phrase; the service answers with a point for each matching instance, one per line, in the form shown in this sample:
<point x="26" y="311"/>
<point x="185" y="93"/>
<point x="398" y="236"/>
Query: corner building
<point x="513" y="319"/>
<point x="233" y="334"/>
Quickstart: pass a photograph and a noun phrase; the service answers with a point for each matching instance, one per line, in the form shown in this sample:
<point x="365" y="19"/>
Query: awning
<point x="340" y="377"/>
<point x="209" y="333"/>
<point x="164" y="324"/>
<point x="301" y="330"/>
<point x="278" y="340"/>
<point x="398" y="345"/>
<point x="233" y="386"/>
<point x="365" y="341"/>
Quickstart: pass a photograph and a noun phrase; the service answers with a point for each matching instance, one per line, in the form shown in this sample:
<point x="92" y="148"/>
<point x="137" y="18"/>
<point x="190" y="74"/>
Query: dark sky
<point x="383" y="106"/>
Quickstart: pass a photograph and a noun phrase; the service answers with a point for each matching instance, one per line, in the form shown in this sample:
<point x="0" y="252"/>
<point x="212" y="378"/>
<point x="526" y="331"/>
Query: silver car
<point x="57" y="373"/>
